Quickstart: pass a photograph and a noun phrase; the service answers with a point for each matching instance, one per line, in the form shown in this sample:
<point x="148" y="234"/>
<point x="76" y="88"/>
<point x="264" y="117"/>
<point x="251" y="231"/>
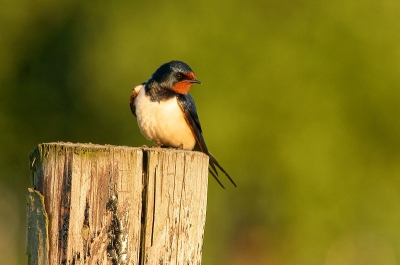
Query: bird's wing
<point x="188" y="107"/>
<point x="134" y="93"/>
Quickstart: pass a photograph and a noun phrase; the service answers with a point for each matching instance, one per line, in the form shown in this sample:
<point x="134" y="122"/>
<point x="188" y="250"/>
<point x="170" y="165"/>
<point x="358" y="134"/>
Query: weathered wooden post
<point x="94" y="204"/>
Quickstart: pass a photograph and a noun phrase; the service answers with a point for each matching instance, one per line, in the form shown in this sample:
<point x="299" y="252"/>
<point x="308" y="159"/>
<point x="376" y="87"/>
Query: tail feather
<point x="214" y="172"/>
<point x="216" y="178"/>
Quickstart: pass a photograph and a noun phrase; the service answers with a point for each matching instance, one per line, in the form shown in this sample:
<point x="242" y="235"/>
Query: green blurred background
<point x="300" y="102"/>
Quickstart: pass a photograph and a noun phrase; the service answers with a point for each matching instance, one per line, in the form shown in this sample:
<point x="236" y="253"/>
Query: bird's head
<point x="176" y="76"/>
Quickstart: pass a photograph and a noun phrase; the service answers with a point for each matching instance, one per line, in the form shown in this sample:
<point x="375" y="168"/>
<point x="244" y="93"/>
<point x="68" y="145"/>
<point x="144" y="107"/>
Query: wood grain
<point x="121" y="205"/>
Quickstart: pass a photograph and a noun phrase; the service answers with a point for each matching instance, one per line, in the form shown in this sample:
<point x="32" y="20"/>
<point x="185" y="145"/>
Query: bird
<point x="166" y="113"/>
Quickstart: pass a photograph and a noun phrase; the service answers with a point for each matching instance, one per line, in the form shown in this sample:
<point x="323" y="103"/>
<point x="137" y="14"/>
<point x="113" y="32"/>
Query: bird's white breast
<point x="163" y="122"/>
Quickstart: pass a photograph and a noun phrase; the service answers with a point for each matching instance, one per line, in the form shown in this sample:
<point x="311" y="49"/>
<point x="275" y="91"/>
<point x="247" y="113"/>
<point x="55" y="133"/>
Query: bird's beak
<point x="195" y="81"/>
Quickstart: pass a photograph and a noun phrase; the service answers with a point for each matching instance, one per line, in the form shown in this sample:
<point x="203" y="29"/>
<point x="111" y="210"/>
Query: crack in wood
<point x="154" y="205"/>
<point x="145" y="176"/>
<point x="65" y="207"/>
<point x="85" y="232"/>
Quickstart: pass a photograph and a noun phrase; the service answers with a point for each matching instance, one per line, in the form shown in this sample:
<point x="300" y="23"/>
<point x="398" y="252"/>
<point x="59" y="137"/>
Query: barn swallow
<point x="166" y="112"/>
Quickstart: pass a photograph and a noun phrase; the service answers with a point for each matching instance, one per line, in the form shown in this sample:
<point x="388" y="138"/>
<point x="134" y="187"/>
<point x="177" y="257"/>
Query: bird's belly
<point x="163" y="122"/>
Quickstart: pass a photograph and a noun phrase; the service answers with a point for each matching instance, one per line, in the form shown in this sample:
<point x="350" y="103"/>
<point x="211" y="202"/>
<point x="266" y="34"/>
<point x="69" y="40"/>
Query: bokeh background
<point x="300" y="102"/>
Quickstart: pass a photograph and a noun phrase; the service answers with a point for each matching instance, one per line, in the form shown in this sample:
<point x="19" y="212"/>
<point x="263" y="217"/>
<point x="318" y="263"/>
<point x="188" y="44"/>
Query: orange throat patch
<point x="182" y="87"/>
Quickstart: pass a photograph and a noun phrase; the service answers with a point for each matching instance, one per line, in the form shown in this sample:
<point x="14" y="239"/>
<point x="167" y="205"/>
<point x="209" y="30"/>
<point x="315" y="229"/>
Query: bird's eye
<point x="179" y="76"/>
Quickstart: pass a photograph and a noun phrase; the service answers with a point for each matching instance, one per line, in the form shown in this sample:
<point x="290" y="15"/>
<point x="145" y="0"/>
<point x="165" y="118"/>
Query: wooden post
<point x="93" y="204"/>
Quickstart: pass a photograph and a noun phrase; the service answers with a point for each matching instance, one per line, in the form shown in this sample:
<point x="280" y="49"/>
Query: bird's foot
<point x="179" y="147"/>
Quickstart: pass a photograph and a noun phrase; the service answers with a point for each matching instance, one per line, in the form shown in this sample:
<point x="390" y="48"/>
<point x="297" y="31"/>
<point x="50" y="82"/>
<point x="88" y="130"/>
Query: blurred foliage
<point x="300" y="102"/>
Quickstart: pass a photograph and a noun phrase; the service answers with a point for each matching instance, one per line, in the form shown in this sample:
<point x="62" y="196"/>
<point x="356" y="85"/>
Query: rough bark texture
<point x="117" y="205"/>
